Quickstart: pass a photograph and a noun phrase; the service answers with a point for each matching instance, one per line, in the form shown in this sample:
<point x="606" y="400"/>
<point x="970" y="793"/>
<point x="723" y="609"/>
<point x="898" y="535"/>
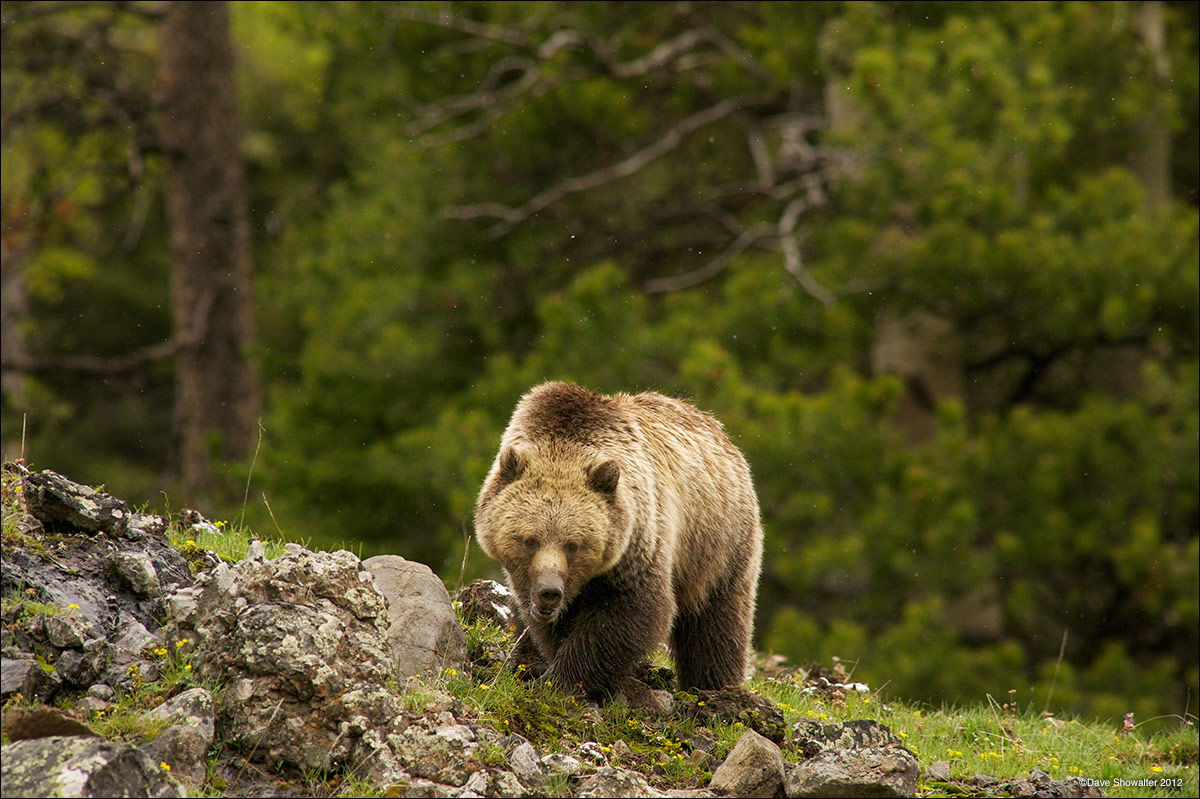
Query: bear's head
<point x="554" y="518"/>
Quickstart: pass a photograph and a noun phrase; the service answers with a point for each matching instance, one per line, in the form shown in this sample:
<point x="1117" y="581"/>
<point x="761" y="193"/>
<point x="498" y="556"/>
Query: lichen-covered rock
<point x="193" y="708"/>
<point x="300" y="642"/>
<point x="617" y="783"/>
<point x="137" y="572"/>
<point x="873" y="771"/>
<point x="61" y="503"/>
<point x="62" y="766"/>
<point x="811" y="737"/>
<point x="423" y="633"/>
<point x="445" y="754"/>
<point x="185" y="743"/>
<point x="753" y="769"/>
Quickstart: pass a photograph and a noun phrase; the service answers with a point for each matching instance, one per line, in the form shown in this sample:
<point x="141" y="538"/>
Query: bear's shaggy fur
<point x="623" y="521"/>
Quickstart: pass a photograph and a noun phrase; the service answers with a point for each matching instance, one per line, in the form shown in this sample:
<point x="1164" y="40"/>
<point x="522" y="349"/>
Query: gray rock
<point x="77" y="766"/>
<point x="874" y="771"/>
<point x="505" y="783"/>
<point x="13" y="673"/>
<point x="90" y="704"/>
<point x="753" y="769"/>
<point x="690" y="793"/>
<point x="80" y="667"/>
<point x="421" y="788"/>
<point x="939" y="771"/>
<point x="130" y="640"/>
<point x="136" y="571"/>
<point x="69" y="630"/>
<point x="486" y="599"/>
<point x="41" y="684"/>
<point x="424" y="634"/>
<point x="106" y="559"/>
<point x="62" y="503"/>
<point x="101" y="691"/>
<point x="525" y="763"/>
<point x="183" y="749"/>
<point x="444" y="755"/>
<point x="617" y="783"/>
<point x="256" y="550"/>
<point x="193" y="709"/>
<point x="300" y="641"/>
<point x="476" y="784"/>
<point x="556" y="763"/>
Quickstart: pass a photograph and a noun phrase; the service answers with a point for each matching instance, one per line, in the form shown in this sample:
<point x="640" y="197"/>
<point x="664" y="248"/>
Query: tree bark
<point x="1151" y="161"/>
<point x="218" y="394"/>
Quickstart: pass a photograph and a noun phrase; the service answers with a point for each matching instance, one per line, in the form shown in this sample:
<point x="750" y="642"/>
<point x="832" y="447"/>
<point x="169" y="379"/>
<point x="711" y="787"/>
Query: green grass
<point x="1004" y="742"/>
<point x="229" y="541"/>
<point x="999" y="740"/>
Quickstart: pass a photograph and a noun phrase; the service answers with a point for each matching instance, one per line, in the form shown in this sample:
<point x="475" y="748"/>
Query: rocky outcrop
<point x="103" y="569"/>
<point x="299" y="641"/>
<point x="81" y="766"/>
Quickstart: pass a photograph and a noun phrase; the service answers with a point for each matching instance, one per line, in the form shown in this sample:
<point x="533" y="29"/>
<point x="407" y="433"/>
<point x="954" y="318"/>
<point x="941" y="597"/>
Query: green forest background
<point x="934" y="265"/>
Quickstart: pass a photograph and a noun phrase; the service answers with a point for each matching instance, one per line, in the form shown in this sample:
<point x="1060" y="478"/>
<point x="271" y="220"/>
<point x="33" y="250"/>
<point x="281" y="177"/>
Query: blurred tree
<point x="80" y="76"/>
<point x="217" y="391"/>
<point x="82" y="241"/>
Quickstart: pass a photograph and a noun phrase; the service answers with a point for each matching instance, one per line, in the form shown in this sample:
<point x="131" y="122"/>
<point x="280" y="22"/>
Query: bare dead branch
<point x="95" y="365"/>
<point x="789" y="243"/>
<point x="674" y="49"/>
<point x="131" y="362"/>
<point x="511" y="217"/>
<point x="464" y="25"/>
<point x="762" y="159"/>
<point x="486" y="97"/>
<point x="687" y="280"/>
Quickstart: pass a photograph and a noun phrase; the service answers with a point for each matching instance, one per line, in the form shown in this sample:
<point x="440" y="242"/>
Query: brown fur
<point x="623" y="521"/>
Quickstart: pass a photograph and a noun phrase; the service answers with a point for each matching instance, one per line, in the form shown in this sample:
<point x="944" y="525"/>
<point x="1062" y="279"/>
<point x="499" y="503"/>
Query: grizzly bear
<point x="623" y="521"/>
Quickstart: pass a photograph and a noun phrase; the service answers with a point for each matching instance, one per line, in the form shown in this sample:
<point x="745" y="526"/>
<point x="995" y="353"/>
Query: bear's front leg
<point x="610" y="627"/>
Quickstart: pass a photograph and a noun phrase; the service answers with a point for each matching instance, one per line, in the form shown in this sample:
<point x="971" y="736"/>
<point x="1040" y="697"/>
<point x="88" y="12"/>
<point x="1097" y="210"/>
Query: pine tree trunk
<point x="218" y="395"/>
<point x="1152" y="160"/>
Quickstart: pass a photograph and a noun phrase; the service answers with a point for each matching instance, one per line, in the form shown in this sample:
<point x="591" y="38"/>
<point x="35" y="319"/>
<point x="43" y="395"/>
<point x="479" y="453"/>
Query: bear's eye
<point x="571" y="547"/>
<point x="531" y="543"/>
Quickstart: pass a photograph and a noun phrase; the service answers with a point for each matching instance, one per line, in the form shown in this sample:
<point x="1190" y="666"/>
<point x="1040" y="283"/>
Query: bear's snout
<point x="547" y="593"/>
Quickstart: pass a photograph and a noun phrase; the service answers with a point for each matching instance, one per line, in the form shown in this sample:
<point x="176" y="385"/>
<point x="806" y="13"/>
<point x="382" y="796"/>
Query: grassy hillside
<point x="998" y="737"/>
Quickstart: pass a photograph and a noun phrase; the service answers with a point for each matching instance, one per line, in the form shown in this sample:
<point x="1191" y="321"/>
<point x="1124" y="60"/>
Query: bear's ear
<point x="603" y="477"/>
<point x="512" y="465"/>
